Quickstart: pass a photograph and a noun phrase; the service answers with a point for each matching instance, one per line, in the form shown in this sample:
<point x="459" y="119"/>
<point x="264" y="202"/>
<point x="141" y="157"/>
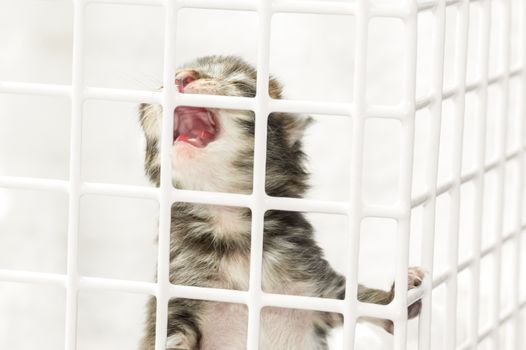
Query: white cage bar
<point x="359" y="110"/>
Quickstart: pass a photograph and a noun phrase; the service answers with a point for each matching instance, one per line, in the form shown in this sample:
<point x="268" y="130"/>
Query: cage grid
<point x="359" y="110"/>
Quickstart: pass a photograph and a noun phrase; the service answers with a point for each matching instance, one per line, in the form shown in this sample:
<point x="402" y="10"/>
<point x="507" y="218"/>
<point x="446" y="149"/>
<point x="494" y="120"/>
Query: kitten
<point x="210" y="245"/>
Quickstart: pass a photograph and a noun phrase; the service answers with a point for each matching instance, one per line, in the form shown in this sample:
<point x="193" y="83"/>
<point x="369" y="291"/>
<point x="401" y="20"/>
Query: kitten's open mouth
<point x="194" y="125"/>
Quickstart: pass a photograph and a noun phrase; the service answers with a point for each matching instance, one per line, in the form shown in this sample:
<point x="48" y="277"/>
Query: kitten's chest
<point x="234" y="273"/>
<point x="224" y="325"/>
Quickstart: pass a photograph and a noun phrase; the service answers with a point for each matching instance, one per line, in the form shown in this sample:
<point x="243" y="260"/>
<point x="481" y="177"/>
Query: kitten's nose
<point x="182" y="79"/>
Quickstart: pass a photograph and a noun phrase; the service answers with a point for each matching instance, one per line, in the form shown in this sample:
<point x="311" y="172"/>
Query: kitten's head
<point x="213" y="148"/>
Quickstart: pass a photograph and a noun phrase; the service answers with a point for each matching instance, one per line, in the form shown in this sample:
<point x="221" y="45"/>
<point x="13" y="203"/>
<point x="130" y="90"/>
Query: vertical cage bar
<point x="356" y="172"/>
<point x="433" y="147"/>
<point x="77" y="86"/>
<point x="481" y="112"/>
<point x="501" y="168"/>
<point x="165" y="188"/>
<point x="521" y="173"/>
<point x="258" y="191"/>
<point x="406" y="177"/>
<point x="459" y="100"/>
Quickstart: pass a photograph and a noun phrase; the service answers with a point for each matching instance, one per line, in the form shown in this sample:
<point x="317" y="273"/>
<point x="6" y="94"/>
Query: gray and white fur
<point x="210" y="245"/>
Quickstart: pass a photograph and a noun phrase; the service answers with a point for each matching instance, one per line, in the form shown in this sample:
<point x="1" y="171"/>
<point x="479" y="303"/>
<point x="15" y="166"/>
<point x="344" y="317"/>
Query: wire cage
<point x="458" y="115"/>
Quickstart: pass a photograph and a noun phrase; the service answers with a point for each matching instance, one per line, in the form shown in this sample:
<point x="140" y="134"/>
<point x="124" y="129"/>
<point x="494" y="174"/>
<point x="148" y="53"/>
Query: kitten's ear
<point x="274" y="88"/>
<point x="295" y="126"/>
<point x="143" y="111"/>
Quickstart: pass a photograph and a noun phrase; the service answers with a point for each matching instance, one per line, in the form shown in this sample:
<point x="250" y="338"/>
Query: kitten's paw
<point x="178" y="341"/>
<point x="413" y="310"/>
<point x="415" y="277"/>
<point x="414" y="280"/>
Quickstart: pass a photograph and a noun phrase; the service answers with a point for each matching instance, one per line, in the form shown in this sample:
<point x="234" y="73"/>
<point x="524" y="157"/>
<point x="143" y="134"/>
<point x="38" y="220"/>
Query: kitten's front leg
<point x="336" y="289"/>
<point x="183" y="331"/>
<point x="376" y="296"/>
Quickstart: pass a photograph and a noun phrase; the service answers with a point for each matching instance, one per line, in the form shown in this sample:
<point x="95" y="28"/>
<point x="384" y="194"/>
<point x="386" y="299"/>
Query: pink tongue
<point x="196" y="133"/>
<point x="182" y="137"/>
